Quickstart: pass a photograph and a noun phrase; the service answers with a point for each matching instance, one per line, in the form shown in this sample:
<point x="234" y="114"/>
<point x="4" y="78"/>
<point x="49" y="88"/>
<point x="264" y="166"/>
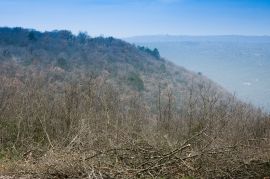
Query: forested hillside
<point x="73" y="106"/>
<point x="63" y="56"/>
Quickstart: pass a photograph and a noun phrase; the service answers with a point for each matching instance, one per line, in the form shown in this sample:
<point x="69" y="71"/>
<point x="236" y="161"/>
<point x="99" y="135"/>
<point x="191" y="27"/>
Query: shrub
<point x="63" y="63"/>
<point x="135" y="81"/>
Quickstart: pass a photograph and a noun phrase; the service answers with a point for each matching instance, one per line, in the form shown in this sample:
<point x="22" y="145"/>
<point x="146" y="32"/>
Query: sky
<point x="125" y="18"/>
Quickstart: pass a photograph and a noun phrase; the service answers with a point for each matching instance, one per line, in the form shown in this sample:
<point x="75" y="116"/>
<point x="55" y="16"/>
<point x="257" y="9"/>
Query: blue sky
<point x="123" y="18"/>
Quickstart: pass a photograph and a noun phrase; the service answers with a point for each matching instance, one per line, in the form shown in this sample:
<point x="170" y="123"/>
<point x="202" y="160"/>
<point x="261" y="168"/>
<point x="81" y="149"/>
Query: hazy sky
<point x="122" y="18"/>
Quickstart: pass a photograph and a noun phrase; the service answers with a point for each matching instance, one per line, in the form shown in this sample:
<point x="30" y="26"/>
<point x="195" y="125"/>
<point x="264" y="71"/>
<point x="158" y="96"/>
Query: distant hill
<point x="238" y="63"/>
<point x="64" y="56"/>
<point x="183" y="38"/>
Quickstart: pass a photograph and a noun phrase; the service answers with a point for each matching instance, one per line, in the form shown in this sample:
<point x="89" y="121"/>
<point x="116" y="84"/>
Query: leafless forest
<point x="88" y="127"/>
<point x="87" y="130"/>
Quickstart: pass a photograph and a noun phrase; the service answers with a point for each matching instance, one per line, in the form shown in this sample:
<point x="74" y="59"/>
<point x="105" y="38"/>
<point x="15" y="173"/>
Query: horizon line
<point x="142" y="35"/>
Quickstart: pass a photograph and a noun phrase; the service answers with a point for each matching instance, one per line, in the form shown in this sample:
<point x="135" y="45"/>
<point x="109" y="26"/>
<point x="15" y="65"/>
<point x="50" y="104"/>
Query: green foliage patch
<point x="135" y="81"/>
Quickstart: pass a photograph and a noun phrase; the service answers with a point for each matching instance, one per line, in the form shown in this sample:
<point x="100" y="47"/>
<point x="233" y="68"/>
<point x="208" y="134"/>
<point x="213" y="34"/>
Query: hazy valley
<point x="238" y="63"/>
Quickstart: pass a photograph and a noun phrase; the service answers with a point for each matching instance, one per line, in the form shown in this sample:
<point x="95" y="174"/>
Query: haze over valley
<point x="238" y="63"/>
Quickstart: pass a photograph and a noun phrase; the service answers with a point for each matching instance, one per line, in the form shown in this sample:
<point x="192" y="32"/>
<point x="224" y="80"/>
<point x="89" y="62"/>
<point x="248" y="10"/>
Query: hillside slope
<point x="62" y="56"/>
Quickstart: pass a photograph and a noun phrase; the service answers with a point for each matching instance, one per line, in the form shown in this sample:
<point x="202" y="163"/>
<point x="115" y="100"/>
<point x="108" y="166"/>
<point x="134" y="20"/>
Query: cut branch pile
<point x="143" y="160"/>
